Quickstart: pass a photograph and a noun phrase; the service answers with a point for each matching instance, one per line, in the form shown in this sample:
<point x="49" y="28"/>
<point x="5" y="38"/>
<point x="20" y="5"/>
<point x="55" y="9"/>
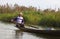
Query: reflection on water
<point x="8" y="31"/>
<point x="24" y="35"/>
<point x="18" y="34"/>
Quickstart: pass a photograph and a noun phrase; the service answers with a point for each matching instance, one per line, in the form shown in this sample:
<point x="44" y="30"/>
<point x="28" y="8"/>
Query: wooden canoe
<point x="47" y="32"/>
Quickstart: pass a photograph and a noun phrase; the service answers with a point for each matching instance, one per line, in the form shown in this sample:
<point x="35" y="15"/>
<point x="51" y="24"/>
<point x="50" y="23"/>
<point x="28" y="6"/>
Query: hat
<point x="20" y="13"/>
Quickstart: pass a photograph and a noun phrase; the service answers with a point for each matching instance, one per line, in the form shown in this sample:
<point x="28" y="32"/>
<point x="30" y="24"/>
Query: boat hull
<point x="47" y="32"/>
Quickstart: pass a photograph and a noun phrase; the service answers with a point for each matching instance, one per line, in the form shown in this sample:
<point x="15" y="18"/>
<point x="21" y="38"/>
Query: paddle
<point x="33" y="26"/>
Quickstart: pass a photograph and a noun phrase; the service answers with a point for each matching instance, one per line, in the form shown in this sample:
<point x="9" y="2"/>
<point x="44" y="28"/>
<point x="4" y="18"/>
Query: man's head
<point x="20" y="14"/>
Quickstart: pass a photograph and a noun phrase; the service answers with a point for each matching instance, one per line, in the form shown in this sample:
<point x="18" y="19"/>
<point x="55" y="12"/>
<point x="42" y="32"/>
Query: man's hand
<point x="12" y="20"/>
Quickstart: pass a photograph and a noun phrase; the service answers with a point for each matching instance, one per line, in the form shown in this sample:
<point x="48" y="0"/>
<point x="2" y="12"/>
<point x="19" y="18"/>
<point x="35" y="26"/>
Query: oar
<point x="33" y="26"/>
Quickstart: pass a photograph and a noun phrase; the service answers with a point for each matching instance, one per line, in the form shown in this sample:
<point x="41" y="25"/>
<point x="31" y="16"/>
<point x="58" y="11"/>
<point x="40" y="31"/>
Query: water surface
<point x="8" y="31"/>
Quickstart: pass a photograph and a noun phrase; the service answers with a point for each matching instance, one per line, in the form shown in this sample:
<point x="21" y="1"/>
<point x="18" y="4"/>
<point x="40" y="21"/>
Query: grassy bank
<point x="35" y="18"/>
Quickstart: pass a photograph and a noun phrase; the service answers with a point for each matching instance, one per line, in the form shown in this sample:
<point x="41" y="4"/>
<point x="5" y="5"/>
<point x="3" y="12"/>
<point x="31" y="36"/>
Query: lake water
<point x="8" y="31"/>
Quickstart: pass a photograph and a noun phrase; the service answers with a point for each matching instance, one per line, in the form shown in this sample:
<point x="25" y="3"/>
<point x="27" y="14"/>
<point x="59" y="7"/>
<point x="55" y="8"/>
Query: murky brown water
<point x="8" y="31"/>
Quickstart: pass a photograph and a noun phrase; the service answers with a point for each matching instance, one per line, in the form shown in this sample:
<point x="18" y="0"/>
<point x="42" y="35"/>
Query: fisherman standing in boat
<point x="19" y="20"/>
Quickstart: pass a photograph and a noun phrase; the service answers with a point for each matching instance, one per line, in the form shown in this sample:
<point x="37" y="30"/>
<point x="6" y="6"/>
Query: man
<point x="19" y="20"/>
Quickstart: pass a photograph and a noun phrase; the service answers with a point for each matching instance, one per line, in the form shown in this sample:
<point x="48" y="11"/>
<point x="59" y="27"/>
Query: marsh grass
<point x="35" y="18"/>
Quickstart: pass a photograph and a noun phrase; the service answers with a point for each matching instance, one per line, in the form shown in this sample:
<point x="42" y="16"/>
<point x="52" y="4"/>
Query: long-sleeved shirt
<point x="19" y="20"/>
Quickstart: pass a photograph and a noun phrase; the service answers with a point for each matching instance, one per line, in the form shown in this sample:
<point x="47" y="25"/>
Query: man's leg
<point x="16" y="25"/>
<point x="21" y="25"/>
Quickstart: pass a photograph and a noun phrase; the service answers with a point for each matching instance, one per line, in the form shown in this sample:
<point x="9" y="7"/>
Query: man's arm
<point x="14" y="20"/>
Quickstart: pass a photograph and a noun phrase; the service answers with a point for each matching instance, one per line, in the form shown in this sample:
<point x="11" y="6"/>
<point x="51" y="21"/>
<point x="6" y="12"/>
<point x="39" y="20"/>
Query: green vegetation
<point x="43" y="18"/>
<point x="32" y="16"/>
<point x="7" y="17"/>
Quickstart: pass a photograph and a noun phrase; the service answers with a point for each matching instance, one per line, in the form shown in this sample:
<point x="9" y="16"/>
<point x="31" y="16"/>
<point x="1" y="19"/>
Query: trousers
<point x="19" y="25"/>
